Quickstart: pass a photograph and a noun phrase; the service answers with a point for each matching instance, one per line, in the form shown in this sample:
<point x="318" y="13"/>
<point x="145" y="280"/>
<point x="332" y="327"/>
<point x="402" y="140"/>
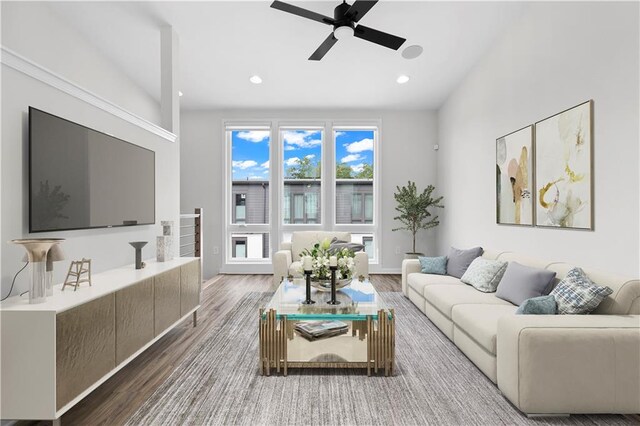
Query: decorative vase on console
<point x="38" y="250"/>
<point x="164" y="244"/>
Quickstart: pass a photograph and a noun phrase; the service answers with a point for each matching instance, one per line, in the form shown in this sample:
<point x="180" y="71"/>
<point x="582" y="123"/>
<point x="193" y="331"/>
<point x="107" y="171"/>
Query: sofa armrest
<point x="286" y="245"/>
<point x="362" y="264"/>
<point x="570" y="363"/>
<point x="281" y="262"/>
<point x="409" y="266"/>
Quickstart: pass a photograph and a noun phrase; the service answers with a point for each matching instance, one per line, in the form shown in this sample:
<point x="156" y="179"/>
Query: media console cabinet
<point x="55" y="353"/>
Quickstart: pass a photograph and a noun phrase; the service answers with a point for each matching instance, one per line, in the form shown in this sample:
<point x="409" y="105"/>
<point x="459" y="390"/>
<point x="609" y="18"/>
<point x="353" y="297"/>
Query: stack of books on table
<point x="314" y="330"/>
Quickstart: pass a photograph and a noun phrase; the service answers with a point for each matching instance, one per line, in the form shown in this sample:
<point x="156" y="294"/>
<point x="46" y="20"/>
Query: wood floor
<point x="120" y="396"/>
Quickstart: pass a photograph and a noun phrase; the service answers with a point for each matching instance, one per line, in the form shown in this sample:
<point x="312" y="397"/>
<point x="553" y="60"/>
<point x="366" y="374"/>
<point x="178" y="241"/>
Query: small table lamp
<point x="55" y="254"/>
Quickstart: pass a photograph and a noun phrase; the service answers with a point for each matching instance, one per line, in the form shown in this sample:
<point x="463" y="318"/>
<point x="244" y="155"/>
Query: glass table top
<point x="357" y="301"/>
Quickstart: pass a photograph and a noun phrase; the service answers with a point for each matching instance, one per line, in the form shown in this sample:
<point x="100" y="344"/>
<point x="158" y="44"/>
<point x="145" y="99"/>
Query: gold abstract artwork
<point x="563" y="169"/>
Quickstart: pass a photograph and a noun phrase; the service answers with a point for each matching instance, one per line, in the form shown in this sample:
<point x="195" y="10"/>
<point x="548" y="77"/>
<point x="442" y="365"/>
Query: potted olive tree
<point x="413" y="211"/>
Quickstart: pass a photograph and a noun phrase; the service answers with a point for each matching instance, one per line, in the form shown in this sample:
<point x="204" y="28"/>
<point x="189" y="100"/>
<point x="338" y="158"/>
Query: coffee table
<point x="368" y="344"/>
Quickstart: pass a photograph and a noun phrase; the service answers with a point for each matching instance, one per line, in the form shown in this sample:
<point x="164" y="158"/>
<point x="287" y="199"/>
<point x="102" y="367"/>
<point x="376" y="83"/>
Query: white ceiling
<point x="223" y="43"/>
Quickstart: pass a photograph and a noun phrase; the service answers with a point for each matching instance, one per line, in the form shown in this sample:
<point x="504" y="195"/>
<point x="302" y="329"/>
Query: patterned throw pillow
<point x="433" y="265"/>
<point x="577" y="294"/>
<point x="484" y="274"/>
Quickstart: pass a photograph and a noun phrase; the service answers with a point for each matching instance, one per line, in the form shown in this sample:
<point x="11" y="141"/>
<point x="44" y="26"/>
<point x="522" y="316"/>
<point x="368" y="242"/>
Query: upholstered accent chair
<point x="287" y="261"/>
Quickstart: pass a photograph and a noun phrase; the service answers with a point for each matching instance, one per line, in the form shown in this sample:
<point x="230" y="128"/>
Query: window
<point x="248" y="218"/>
<point x="355" y="184"/>
<point x="302" y="171"/>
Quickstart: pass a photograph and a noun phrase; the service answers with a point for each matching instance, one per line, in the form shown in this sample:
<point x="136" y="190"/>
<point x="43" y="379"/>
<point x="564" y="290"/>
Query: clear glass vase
<point x="39" y="279"/>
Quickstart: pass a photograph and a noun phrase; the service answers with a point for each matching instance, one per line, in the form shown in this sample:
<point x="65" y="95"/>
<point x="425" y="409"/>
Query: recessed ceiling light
<point x="402" y="79"/>
<point x="412" y="52"/>
<point x="255" y="79"/>
<point x="179" y="93"/>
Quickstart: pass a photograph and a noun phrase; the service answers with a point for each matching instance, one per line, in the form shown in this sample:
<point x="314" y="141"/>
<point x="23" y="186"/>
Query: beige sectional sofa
<point x="544" y="364"/>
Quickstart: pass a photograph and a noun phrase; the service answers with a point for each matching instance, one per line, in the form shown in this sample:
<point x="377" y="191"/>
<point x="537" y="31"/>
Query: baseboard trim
<point x="44" y="75"/>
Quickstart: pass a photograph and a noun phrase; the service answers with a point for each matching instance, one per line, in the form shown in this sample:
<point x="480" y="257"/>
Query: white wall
<point x="407" y="141"/>
<point x="35" y="31"/>
<point x="558" y="55"/>
<point x="108" y="248"/>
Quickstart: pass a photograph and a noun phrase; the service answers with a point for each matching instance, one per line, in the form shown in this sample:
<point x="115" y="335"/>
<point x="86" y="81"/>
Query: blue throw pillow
<point x="577" y="294"/>
<point x="434" y="265"/>
<point x="541" y="305"/>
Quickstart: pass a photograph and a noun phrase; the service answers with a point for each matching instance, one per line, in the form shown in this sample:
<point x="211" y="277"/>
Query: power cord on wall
<point x="14" y="281"/>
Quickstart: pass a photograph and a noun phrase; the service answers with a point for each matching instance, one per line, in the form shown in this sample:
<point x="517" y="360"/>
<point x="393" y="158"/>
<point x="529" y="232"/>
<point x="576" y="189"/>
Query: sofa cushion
<point x="301" y="240"/>
<point x="484" y="274"/>
<point x="459" y="260"/>
<point x="480" y="322"/>
<point x="521" y="282"/>
<point x="577" y="294"/>
<point x="433" y="265"/>
<point x="419" y="281"/>
<point x="445" y="297"/>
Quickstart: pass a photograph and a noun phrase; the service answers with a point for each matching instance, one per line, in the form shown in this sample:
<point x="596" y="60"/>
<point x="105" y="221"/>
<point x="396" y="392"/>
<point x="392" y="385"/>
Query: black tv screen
<point x="80" y="178"/>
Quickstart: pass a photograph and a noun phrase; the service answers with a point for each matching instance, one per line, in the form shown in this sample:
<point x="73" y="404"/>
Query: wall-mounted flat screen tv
<point x="80" y="178"/>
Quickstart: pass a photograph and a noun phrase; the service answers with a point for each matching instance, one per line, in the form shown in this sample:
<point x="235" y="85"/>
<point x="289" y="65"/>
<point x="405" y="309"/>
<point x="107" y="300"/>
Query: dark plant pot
<point x="412" y="255"/>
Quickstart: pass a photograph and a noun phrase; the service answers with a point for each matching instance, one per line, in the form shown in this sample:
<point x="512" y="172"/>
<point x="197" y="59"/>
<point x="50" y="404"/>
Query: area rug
<point x="435" y="384"/>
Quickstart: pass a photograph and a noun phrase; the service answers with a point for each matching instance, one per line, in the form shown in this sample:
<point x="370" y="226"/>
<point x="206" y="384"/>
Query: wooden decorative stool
<point x="77" y="269"/>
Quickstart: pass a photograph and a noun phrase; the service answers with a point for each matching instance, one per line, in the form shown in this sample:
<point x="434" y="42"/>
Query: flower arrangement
<point x="320" y="254"/>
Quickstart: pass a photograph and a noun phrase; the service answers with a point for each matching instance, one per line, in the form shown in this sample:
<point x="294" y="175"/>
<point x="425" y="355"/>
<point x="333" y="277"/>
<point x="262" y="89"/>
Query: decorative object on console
<point x="55" y="254"/>
<point x="138" y="246"/>
<point x="577" y="294"/>
<point x="541" y="305"/>
<point x="319" y="258"/>
<point x="37" y="251"/>
<point x="459" y="260"/>
<point x="333" y="266"/>
<point x="521" y="282"/>
<point x="336" y="245"/>
<point x="484" y="274"/>
<point x="306" y="265"/>
<point x="414" y="214"/>
<point x="77" y="269"/>
<point x="564" y="180"/>
<point x="514" y="178"/>
<point x="164" y="245"/>
<point x="433" y="265"/>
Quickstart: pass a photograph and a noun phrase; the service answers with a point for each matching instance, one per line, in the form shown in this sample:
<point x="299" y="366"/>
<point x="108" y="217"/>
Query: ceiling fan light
<point x="344" y="31"/>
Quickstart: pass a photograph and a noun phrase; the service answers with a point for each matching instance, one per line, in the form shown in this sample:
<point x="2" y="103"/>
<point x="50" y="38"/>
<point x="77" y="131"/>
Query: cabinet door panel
<point x="166" y="289"/>
<point x="85" y="347"/>
<point x="190" y="285"/>
<point x="134" y="318"/>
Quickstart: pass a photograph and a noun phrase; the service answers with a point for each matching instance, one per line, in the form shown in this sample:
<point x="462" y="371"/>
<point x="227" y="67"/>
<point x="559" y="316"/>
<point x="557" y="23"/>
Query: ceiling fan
<point x="344" y="22"/>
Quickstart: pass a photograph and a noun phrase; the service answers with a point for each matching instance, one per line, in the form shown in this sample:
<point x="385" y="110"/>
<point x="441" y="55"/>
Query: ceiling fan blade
<point x="360" y="8"/>
<point x="286" y="7"/>
<point x="324" y="48"/>
<point x="378" y="37"/>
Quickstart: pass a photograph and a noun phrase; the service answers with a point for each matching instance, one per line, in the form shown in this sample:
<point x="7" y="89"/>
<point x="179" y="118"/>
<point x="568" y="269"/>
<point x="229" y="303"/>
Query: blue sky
<point x="250" y="150"/>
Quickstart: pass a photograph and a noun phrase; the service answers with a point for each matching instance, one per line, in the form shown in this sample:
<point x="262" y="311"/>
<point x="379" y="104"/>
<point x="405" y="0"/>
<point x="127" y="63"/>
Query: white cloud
<point x="254" y="177"/>
<point x="254" y="136"/>
<point x="310" y="156"/>
<point x="265" y="172"/>
<point x="363" y="145"/>
<point x="358" y="167"/>
<point x="265" y="165"/>
<point x="300" y="139"/>
<point x="243" y="165"/>
<point x="338" y="134"/>
<point x="351" y="157"/>
<point x="292" y="161"/>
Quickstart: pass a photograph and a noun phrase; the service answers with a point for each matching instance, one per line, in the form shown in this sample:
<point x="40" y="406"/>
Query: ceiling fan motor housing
<point x="339" y="15"/>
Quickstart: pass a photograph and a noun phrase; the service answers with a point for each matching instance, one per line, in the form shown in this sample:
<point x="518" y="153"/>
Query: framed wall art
<point x="514" y="178"/>
<point x="564" y="169"/>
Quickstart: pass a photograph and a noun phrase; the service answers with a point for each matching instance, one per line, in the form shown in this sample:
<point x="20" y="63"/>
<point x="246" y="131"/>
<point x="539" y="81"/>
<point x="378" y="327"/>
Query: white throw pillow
<point x="484" y="274"/>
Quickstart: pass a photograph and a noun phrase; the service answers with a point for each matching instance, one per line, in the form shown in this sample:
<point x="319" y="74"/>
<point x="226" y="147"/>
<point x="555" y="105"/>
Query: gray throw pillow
<point x="337" y="245"/>
<point x="520" y="283"/>
<point x="459" y="260"/>
<point x="541" y="305"/>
